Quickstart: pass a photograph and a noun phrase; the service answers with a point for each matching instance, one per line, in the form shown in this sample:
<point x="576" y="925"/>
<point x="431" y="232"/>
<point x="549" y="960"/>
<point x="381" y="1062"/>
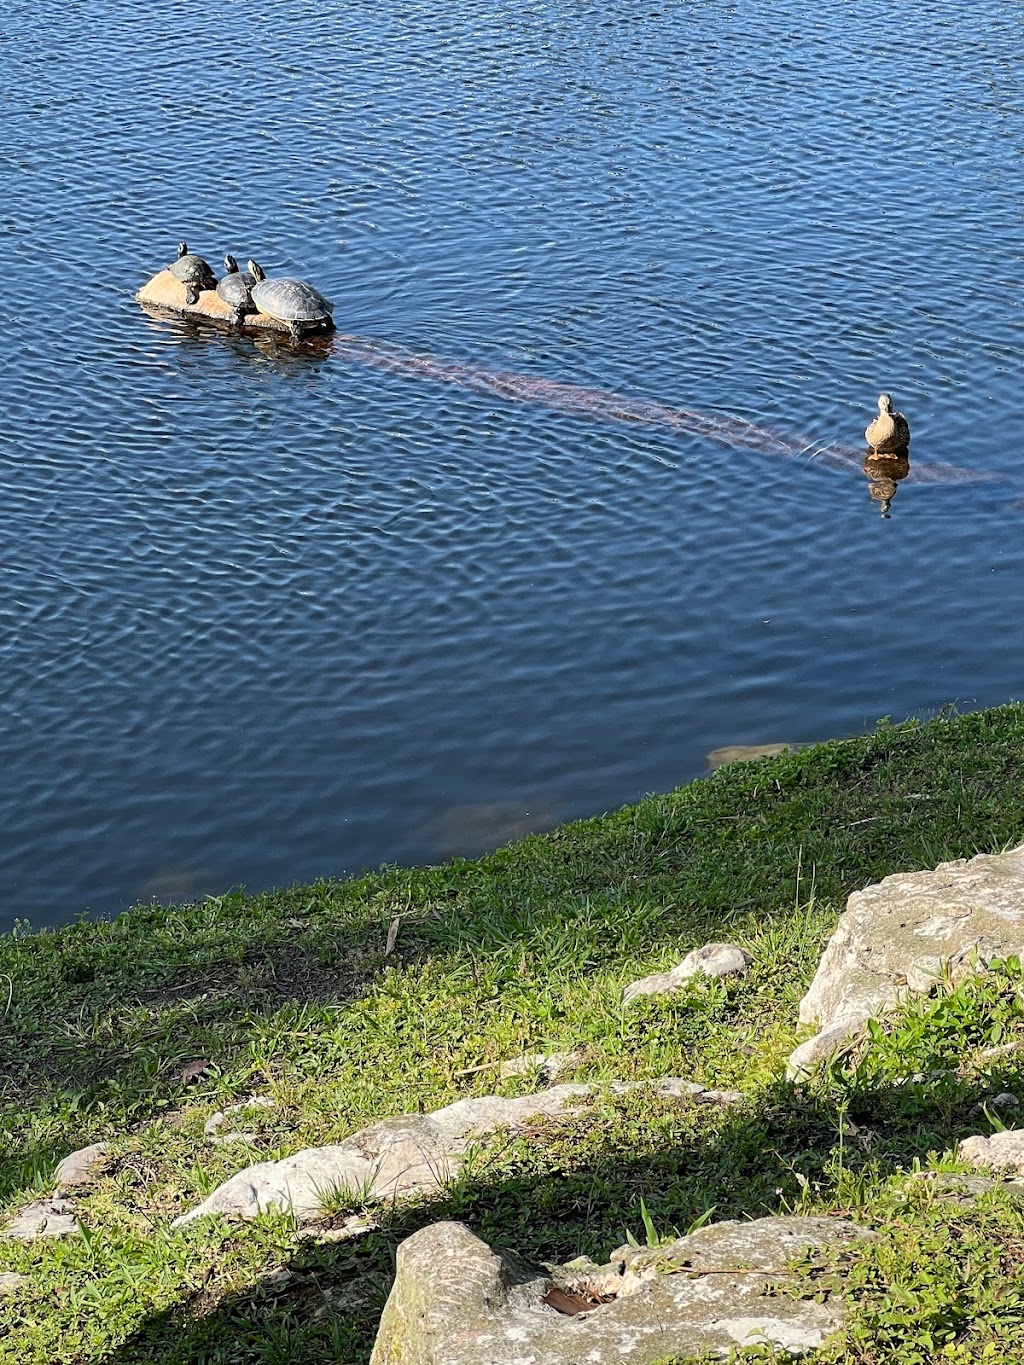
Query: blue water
<point x="273" y="613"/>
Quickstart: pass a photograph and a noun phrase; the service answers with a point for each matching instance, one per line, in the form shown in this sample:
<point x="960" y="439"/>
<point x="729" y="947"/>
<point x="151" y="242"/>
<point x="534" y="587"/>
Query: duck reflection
<point x="884" y="473"/>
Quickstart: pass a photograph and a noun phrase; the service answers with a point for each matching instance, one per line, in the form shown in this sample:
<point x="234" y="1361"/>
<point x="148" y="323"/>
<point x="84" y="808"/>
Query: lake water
<point x="269" y="614"/>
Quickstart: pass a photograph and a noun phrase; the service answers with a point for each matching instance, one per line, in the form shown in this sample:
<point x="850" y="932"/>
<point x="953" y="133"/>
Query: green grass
<point x="289" y="996"/>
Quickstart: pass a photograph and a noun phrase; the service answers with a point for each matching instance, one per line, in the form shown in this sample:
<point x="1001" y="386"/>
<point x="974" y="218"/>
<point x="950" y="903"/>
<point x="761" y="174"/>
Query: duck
<point x="890" y="431"/>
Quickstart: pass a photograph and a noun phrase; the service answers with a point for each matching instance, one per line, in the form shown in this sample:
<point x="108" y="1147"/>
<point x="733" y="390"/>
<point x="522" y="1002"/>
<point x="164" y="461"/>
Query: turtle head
<point x="231" y="265"/>
<point x="182" y="249"/>
<point x="255" y="271"/>
<point x="885" y="403"/>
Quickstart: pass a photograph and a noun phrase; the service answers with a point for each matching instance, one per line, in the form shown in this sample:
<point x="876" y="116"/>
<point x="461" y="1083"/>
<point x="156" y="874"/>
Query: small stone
<point x="958" y="1188"/>
<point x="1006" y="1100"/>
<point x="11" y="1282"/>
<point x="80" y="1168"/>
<point x="714" y="959"/>
<point x="217" y="1120"/>
<point x="45" y="1218"/>
<point x="353" y="1226"/>
<point x="1001" y="1151"/>
<point x="805" y="1059"/>
<point x="549" y="1065"/>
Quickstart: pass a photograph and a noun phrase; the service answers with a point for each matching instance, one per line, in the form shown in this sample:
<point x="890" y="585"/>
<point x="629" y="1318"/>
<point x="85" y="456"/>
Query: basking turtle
<point x="235" y="289"/>
<point x="292" y="301"/>
<point x="890" y="431"/>
<point x="194" y="273"/>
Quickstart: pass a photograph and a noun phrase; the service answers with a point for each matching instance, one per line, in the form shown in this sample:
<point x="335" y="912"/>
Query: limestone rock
<point x="957" y="1188"/>
<point x="407" y="1155"/>
<point x="548" y="1065"/>
<point x="80" y="1168"/>
<point x="11" y="1282"/>
<point x="213" y="1125"/>
<point x="45" y="1218"/>
<point x="900" y="936"/>
<point x="166" y="293"/>
<point x="1001" y="1151"/>
<point x="805" y="1059"/>
<point x="457" y="1302"/>
<point x="714" y="959"/>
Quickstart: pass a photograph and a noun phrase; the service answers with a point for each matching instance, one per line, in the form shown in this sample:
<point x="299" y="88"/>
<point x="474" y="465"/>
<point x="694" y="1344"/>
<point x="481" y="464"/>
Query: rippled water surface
<point x="574" y="496"/>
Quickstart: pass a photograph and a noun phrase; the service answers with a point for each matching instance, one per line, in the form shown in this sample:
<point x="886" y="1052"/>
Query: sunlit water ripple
<point x="500" y="554"/>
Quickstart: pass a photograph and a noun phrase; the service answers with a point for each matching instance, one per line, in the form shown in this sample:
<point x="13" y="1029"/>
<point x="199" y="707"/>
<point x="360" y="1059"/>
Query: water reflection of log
<point x="884" y="473"/>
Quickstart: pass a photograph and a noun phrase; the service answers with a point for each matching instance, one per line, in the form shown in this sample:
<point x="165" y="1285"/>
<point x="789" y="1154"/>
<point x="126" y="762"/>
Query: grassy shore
<point x="289" y="997"/>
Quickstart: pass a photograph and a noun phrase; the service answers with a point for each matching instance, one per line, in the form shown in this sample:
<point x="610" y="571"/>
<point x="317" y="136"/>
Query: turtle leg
<point x="295" y="331"/>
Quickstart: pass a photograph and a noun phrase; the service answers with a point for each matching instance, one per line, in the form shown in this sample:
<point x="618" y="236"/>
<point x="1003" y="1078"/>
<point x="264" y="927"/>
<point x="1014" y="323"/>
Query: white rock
<point x="714" y="959"/>
<point x="81" y="1167"/>
<point x="217" y="1120"/>
<point x="457" y="1302"/>
<point x="1001" y="1151"/>
<point x="11" y="1282"/>
<point x="805" y="1059"/>
<point x="902" y="935"/>
<point x="45" y="1218"/>
<point x="410" y="1154"/>
<point x="549" y="1065"/>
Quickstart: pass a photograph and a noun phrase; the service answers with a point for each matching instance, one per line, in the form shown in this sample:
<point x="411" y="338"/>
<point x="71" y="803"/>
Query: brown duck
<point x="890" y="431"/>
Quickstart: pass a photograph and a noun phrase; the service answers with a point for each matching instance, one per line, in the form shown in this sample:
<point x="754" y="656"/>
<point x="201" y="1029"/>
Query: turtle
<point x="291" y="301"/>
<point x="234" y="288"/>
<point x="890" y="431"/>
<point x="194" y="273"/>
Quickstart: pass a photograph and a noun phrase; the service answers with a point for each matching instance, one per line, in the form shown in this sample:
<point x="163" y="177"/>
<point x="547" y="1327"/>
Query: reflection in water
<point x="884" y="473"/>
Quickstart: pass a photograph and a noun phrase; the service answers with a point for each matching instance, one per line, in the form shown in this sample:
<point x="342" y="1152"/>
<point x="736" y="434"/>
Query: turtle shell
<point x="291" y="300"/>
<point x="234" y="287"/>
<point x="192" y="269"/>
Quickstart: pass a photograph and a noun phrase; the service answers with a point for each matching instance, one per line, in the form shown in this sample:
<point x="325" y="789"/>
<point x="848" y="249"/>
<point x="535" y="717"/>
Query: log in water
<point x="166" y="294"/>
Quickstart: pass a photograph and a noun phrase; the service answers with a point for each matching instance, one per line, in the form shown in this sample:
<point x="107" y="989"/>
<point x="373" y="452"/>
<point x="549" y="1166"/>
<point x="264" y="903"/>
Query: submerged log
<point x="166" y="293"/>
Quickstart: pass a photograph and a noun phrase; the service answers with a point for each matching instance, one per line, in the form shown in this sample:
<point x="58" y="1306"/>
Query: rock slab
<point x="1001" y="1151"/>
<point x="80" y="1168"/>
<point x="45" y="1218"/>
<point x="408" y="1155"/>
<point x="455" y="1301"/>
<point x="714" y="959"/>
<point x="904" y="934"/>
<point x="166" y="293"/>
